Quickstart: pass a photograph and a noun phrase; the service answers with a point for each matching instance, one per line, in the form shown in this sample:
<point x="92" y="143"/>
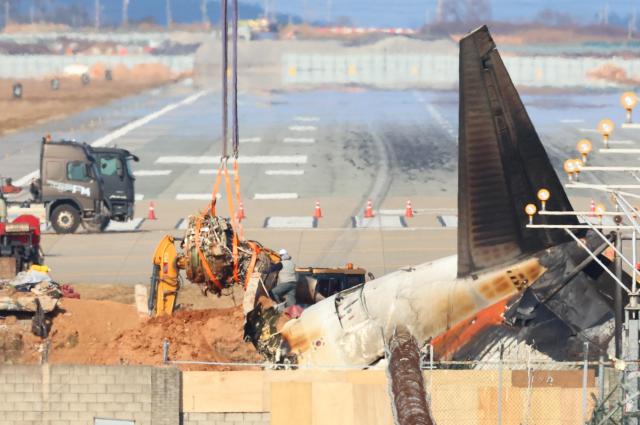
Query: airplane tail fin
<point x="502" y="165"/>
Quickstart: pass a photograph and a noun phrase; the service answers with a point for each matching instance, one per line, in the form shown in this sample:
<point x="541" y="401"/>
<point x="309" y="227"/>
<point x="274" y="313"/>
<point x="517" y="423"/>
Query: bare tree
<point x="205" y="13"/>
<point x="169" y="14"/>
<point x="7" y="12"/>
<point x="125" y="13"/>
<point x="97" y="7"/>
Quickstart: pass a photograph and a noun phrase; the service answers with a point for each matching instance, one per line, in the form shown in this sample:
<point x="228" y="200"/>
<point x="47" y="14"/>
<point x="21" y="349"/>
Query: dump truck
<point x="78" y="185"/>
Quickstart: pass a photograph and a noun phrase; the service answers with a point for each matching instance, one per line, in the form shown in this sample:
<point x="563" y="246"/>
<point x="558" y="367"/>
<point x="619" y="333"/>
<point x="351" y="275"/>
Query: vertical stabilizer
<point x="502" y="165"/>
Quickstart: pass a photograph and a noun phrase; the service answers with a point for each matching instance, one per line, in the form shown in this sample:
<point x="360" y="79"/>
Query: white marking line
<point x="258" y="159"/>
<point x="284" y="172"/>
<point x="572" y="121"/>
<point x="114" y="135"/>
<point x="307" y="119"/>
<point x="391" y="212"/>
<point x="127" y="226"/>
<point x="195" y="196"/>
<point x="212" y="171"/>
<point x="251" y="140"/>
<point x="621" y="142"/>
<point x="588" y="130"/>
<point x="298" y="140"/>
<point x="270" y="196"/>
<point x="448" y="220"/>
<point x="631" y="126"/>
<point x="149" y="173"/>
<point x="290" y="223"/>
<point x="302" y="128"/>
<point x="139" y="196"/>
<point x="379" y="222"/>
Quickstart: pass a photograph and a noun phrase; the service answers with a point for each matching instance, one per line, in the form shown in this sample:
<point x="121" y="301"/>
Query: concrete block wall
<point x="75" y="395"/>
<point x="226" y="418"/>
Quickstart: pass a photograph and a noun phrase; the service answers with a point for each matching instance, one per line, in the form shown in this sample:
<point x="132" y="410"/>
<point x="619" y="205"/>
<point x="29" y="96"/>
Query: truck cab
<point x="71" y="187"/>
<point x="117" y="175"/>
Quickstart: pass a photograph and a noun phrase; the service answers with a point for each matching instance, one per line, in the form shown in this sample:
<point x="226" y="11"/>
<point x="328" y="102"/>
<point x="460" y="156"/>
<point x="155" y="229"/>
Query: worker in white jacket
<point x="285" y="290"/>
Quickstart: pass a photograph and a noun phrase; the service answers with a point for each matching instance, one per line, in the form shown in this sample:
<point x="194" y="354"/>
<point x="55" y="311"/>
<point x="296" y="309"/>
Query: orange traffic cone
<point x="152" y="211"/>
<point x="241" y="215"/>
<point x="368" y="212"/>
<point x="408" y="210"/>
<point x="592" y="208"/>
<point x="318" y="212"/>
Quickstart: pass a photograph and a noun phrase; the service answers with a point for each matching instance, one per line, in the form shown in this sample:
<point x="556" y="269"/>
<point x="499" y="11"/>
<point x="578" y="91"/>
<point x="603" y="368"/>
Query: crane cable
<point x="236" y="220"/>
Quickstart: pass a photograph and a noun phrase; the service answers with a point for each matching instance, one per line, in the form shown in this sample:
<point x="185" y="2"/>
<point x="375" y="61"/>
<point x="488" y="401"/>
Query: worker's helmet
<point x="283" y="252"/>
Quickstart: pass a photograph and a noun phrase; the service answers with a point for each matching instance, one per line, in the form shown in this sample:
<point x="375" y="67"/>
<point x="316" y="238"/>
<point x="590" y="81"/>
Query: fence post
<point x="500" y="384"/>
<point x="601" y="379"/>
<point x="585" y="375"/>
<point x="165" y="351"/>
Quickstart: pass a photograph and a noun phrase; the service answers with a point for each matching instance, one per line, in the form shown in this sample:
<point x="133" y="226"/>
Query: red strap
<point x="216" y="187"/>
<point x="236" y="179"/>
<point x="254" y="257"/>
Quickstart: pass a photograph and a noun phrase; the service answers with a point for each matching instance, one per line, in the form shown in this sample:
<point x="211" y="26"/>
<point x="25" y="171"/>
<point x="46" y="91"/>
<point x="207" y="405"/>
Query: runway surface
<point x="340" y="148"/>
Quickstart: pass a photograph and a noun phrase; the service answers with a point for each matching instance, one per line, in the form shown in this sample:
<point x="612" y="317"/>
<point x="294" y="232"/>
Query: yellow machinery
<point x="165" y="278"/>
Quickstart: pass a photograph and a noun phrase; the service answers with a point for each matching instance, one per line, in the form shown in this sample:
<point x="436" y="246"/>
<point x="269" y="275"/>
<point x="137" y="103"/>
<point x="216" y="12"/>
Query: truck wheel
<point x="65" y="219"/>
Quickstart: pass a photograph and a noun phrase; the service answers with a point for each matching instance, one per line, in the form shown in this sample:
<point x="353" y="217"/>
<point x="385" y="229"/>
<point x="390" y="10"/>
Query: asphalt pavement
<point x="337" y="147"/>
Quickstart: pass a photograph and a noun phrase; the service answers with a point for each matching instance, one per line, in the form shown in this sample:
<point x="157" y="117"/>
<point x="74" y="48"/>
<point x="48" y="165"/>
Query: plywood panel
<point x="372" y="405"/>
<point x="332" y="403"/>
<point x="240" y="391"/>
<point x="291" y="403"/>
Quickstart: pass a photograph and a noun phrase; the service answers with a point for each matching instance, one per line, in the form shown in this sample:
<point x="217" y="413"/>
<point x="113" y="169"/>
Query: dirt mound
<point x="107" y="332"/>
<point x="203" y="335"/>
<point x="612" y="73"/>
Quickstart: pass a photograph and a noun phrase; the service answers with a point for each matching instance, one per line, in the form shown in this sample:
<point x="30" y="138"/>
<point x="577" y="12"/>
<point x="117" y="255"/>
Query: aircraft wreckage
<point x="537" y="285"/>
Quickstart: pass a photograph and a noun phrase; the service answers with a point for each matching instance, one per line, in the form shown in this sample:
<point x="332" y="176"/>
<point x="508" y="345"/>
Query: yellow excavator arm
<point x="165" y="277"/>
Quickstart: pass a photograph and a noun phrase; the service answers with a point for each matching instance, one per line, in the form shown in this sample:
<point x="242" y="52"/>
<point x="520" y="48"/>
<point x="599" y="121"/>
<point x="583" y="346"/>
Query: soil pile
<point x="107" y="333"/>
<point x="202" y="335"/>
<point x="612" y="73"/>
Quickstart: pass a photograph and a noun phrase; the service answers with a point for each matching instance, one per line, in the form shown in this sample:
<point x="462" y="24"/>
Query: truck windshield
<point x="129" y="166"/>
<point x="109" y="165"/>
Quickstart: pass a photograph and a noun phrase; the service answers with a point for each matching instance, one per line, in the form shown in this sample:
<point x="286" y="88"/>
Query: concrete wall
<point x="226" y="418"/>
<point x="41" y="66"/>
<point x="74" y="395"/>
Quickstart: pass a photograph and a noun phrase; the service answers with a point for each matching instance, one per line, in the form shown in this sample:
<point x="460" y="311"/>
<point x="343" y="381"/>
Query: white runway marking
<point x="149" y="173"/>
<point x="588" y="130"/>
<point x="139" y="196"/>
<point x="123" y="131"/>
<point x="284" y="172"/>
<point x="379" y="222"/>
<point x="298" y="140"/>
<point x="291" y="223"/>
<point x="127" y="226"/>
<point x="303" y="128"/>
<point x="621" y="142"/>
<point x="246" y="159"/>
<point x="631" y="126"/>
<point x="269" y="196"/>
<point x="391" y="212"/>
<point x="195" y="196"/>
<point x="307" y="119"/>
<point x="448" y="220"/>
<point x="250" y="139"/>
<point x="572" y="121"/>
<point x="212" y="171"/>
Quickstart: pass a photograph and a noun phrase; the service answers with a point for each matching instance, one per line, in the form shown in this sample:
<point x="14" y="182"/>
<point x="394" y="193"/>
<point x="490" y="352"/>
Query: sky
<point x="379" y="13"/>
<point x="415" y="12"/>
